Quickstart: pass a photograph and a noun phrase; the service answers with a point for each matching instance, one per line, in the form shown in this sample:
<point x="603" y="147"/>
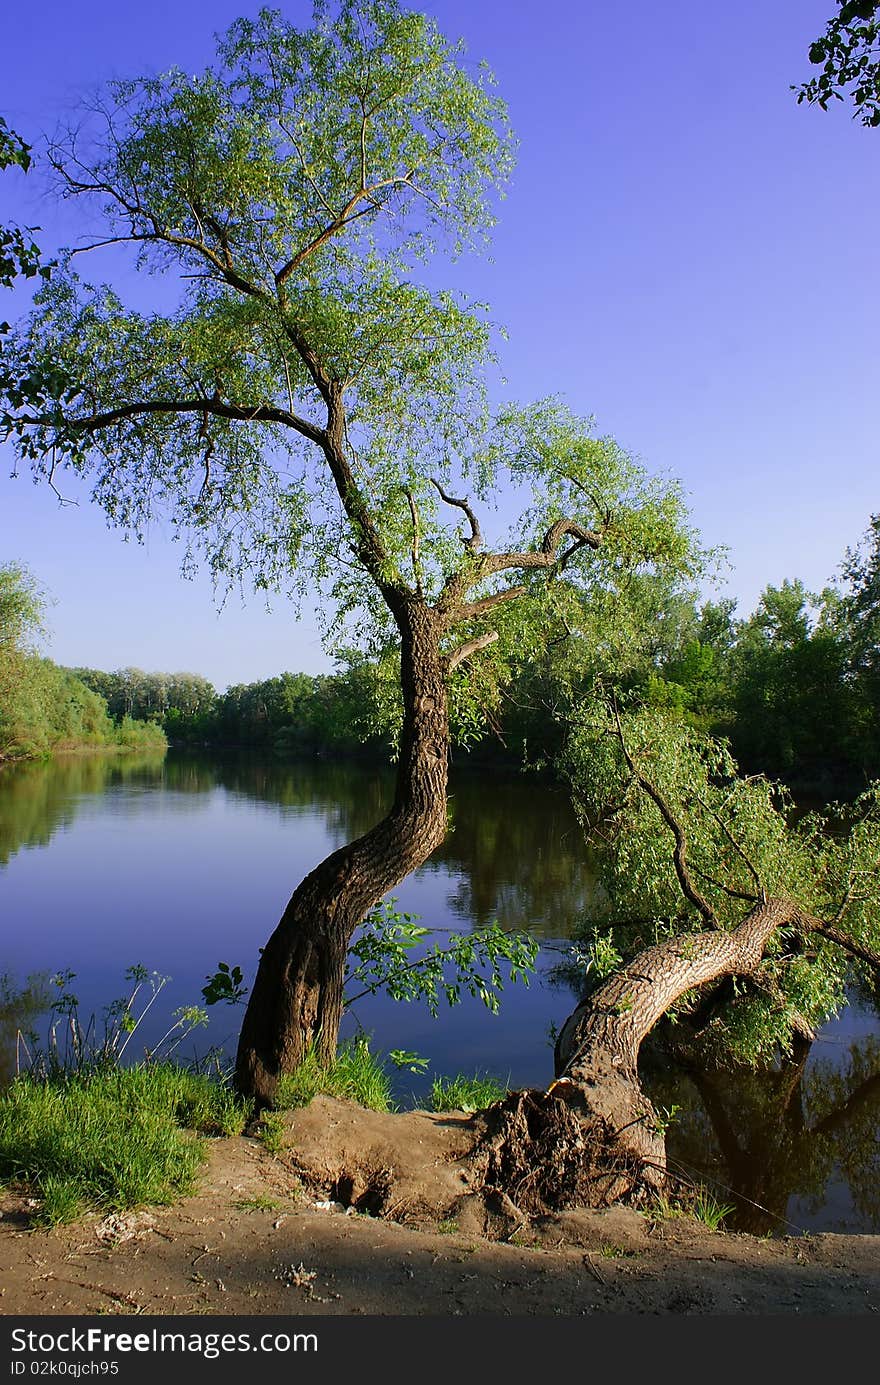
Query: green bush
<point x="139" y="735"/>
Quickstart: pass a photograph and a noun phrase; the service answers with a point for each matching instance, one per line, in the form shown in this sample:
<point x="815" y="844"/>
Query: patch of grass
<point x="271" y="1131"/>
<point x="708" y="1210"/>
<point x="701" y="1204"/>
<point x="63" y="1200"/>
<point x="662" y="1209"/>
<point x="111" y="1138"/>
<point x="465" y="1093"/>
<point x="448" y="1226"/>
<point x="259" y="1203"/>
<point x="355" y="1074"/>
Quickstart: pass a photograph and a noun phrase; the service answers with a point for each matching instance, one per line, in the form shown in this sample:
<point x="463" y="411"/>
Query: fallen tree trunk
<point x="598" y="1047"/>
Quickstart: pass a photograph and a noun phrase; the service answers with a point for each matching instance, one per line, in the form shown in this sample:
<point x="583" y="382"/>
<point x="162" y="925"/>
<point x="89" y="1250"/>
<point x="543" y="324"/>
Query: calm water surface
<point x="179" y="864"/>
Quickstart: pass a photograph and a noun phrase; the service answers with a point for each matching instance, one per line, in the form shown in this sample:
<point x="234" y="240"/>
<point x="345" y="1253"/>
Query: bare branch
<point x="368" y="544"/>
<point x="310" y="359"/>
<point x="460" y="583"/>
<point x="688" y="888"/>
<point x="343" y="219"/>
<point x="762" y="893"/>
<point x="476" y="538"/>
<point x="548" y="554"/>
<point x="469" y="648"/>
<point x="472" y="609"/>
<point x="62" y="499"/>
<point x="147" y="229"/>
<point x="725" y="889"/>
<point x="111" y="240"/>
<point x="242" y="413"/>
<point x="852" y="945"/>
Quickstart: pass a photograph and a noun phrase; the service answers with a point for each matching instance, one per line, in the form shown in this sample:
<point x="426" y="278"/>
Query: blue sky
<point x="684" y="252"/>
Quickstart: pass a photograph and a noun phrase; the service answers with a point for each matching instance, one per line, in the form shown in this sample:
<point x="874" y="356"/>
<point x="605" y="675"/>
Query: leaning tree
<point x="289" y="388"/>
<point x="724" y="915"/>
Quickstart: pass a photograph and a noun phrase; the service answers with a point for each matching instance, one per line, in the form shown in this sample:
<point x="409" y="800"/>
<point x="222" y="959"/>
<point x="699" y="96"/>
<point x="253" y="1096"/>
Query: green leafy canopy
<point x="848" y="54"/>
<point x="290" y="413"/>
<point x="744" y="840"/>
<point x="19" y="255"/>
<point x="292" y="188"/>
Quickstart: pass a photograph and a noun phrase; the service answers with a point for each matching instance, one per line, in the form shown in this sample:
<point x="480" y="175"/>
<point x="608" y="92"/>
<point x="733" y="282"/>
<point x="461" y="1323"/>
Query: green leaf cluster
<point x="847" y="53"/>
<point x="294" y="188"/>
<point x="19" y="254"/>
<point x="391" y="953"/>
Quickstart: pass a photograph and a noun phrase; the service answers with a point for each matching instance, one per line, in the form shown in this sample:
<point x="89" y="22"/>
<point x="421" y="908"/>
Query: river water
<point x="177" y="864"/>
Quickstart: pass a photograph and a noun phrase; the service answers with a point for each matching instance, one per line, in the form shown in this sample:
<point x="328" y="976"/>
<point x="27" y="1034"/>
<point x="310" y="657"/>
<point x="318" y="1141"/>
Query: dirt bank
<point x="267" y="1235"/>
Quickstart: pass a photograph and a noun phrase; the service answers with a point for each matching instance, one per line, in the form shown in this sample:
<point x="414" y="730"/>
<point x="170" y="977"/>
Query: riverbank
<point x="142" y="738"/>
<point x="261" y="1236"/>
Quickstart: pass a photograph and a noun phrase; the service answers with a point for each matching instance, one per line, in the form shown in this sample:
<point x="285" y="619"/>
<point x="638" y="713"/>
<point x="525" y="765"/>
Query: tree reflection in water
<point x="764" y="1139"/>
<point x="804" y="1133"/>
<point x="20" y="1007"/>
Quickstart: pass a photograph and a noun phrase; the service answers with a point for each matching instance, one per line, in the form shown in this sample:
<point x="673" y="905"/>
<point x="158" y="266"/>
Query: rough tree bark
<point x="598" y="1047"/>
<point x="297" y="995"/>
<point x="593" y="1137"/>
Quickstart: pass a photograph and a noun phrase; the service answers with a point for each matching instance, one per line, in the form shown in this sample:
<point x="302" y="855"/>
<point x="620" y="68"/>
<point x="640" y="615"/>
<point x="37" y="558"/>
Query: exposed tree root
<point x="547" y="1152"/>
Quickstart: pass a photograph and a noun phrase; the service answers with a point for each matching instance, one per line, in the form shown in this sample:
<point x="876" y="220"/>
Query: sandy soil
<point x="270" y="1235"/>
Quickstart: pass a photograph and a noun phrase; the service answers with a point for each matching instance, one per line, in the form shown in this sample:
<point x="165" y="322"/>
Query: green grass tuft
<point x="260" y="1202"/>
<point x="356" y="1074"/>
<point x="708" y="1210"/>
<point x="271" y="1131"/>
<point x="111" y="1138"/>
<point x="700" y="1203"/>
<point x="466" y="1093"/>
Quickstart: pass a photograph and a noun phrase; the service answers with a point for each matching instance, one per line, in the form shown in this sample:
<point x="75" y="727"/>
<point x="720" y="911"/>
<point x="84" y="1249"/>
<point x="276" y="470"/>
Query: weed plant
<point x="82" y="1131"/>
<point x="700" y="1203"/>
<point x="73" y="1045"/>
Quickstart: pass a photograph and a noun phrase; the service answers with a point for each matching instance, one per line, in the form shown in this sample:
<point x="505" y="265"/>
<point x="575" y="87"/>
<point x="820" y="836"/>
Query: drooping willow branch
<point x="679" y="857"/>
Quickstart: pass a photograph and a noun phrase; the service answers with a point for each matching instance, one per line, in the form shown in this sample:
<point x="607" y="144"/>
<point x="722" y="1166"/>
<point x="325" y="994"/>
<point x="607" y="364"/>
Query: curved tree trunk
<point x="598" y="1047"/>
<point x="593" y="1137"/>
<point x="297" y="994"/>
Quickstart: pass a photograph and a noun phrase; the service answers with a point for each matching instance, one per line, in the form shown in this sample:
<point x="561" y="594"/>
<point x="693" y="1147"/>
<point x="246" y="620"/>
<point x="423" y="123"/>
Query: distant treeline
<point x="45" y="709"/>
<point x="795" y="687"/>
<point x="291" y="713"/>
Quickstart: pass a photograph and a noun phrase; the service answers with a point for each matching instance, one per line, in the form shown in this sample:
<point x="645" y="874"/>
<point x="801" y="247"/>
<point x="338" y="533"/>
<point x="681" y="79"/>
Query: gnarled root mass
<point x="547" y="1152"/>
